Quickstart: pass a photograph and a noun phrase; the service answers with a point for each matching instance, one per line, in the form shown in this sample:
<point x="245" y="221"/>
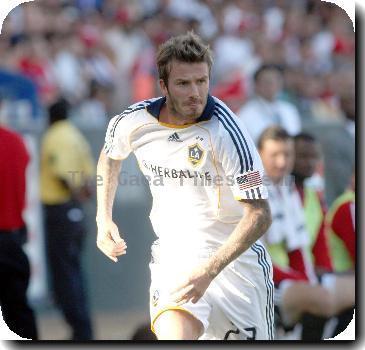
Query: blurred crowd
<point x="276" y="62"/>
<point x="99" y="55"/>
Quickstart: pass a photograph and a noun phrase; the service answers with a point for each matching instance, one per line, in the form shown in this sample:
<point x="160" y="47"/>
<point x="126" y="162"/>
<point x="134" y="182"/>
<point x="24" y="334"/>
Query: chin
<point x="193" y="115"/>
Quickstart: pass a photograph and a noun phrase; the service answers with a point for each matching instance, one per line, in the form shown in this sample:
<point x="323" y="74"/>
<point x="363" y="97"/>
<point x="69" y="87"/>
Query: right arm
<point x="116" y="148"/>
<point x="108" y="238"/>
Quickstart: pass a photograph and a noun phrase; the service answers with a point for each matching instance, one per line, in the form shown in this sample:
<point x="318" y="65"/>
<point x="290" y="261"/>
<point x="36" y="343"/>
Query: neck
<point x="169" y="115"/>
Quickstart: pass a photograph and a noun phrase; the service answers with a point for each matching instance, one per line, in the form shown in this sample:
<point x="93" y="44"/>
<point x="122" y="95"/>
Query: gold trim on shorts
<point x="167" y="309"/>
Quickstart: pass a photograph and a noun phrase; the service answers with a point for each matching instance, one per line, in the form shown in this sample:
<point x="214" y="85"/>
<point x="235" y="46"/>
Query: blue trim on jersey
<point x="155" y="108"/>
<point x="240" y="136"/>
<point x="271" y="297"/>
<point x="129" y="110"/>
<point x="223" y="120"/>
<point x="269" y="320"/>
<point x="271" y="289"/>
<point x="258" y="192"/>
<point x="260" y="261"/>
<point x="220" y="116"/>
<point x="253" y="193"/>
<point x="261" y="256"/>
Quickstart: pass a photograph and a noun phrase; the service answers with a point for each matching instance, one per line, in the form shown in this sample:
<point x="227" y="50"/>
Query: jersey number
<point x="237" y="331"/>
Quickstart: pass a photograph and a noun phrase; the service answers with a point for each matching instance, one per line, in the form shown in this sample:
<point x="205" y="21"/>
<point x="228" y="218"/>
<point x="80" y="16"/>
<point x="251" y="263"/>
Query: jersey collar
<point x="155" y="107"/>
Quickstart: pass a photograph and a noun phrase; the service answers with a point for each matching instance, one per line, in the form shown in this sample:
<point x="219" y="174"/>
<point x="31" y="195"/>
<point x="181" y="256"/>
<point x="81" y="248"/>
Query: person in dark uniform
<point x="14" y="264"/>
<point x="66" y="168"/>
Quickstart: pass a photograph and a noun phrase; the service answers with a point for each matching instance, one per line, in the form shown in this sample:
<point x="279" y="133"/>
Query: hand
<point x="109" y="241"/>
<point x="193" y="288"/>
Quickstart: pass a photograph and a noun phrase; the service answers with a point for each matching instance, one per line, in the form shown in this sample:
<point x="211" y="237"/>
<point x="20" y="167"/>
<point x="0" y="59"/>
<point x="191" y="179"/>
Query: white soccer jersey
<point x="197" y="174"/>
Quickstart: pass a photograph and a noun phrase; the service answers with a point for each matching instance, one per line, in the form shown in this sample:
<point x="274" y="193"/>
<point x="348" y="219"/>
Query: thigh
<point x="242" y="304"/>
<point x="177" y="325"/>
<point x="161" y="303"/>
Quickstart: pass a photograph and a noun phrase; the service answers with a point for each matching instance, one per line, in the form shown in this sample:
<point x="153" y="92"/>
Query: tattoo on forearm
<point x="253" y="225"/>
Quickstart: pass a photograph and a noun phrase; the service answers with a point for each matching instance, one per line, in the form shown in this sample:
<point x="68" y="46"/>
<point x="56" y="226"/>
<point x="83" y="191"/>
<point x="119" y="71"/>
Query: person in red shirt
<point x="14" y="264"/>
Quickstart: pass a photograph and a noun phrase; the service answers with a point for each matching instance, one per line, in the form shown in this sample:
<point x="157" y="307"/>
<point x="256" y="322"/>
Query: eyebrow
<point x="182" y="79"/>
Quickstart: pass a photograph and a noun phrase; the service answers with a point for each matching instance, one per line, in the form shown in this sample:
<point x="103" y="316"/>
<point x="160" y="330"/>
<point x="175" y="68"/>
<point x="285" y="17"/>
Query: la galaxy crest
<point x="196" y="154"/>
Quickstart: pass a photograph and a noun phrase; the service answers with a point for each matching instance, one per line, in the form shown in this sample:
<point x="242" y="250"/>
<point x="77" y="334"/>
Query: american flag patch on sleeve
<point x="249" y="180"/>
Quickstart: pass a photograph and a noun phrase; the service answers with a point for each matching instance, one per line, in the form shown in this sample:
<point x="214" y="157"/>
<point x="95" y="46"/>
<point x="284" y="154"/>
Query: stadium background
<point x="99" y="54"/>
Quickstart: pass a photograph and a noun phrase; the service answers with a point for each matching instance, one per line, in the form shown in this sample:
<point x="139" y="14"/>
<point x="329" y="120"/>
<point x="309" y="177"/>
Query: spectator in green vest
<point x="340" y="226"/>
<point x="307" y="157"/>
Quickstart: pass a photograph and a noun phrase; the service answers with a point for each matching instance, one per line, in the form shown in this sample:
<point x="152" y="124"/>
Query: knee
<point x="177" y="325"/>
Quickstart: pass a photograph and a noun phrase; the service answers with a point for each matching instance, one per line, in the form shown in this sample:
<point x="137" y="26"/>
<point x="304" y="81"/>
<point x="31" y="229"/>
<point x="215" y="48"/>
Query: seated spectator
<point x="307" y="157"/>
<point x="340" y="224"/>
<point x="298" y="291"/>
<point x="265" y="109"/>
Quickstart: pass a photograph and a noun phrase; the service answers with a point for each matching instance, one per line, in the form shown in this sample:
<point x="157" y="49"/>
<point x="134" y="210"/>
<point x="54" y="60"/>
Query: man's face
<point x="277" y="158"/>
<point x="269" y="84"/>
<point x="187" y="89"/>
<point x="307" y="156"/>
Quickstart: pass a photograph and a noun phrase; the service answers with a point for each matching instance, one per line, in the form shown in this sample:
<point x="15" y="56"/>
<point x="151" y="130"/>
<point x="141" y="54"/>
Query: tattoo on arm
<point x="254" y="223"/>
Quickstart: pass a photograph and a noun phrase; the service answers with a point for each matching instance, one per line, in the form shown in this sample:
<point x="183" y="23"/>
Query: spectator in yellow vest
<point x="307" y="158"/>
<point x="340" y="225"/>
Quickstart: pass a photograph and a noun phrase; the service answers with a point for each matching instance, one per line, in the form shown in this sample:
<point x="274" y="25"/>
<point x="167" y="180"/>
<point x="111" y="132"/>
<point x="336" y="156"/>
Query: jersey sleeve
<point x="240" y="159"/>
<point x="116" y="144"/>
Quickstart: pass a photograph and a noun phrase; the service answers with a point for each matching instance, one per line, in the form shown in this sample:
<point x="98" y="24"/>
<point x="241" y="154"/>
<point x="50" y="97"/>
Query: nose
<point x="282" y="162"/>
<point x="194" y="92"/>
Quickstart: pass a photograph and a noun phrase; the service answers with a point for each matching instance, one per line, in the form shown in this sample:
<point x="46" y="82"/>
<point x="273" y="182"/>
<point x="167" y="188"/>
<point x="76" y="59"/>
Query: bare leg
<point x="344" y="292"/>
<point x="178" y="325"/>
<point x="301" y="297"/>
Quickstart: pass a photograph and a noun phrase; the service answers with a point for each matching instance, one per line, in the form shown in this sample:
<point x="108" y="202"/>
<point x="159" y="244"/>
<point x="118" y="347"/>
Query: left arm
<point x="254" y="223"/>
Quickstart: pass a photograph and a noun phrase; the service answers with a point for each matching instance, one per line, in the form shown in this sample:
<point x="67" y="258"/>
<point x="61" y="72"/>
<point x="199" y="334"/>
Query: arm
<point x="108" y="238"/>
<point x="254" y="223"/>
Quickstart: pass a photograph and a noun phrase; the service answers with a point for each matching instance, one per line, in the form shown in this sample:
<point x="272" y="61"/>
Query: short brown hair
<point x="276" y="133"/>
<point x="184" y="48"/>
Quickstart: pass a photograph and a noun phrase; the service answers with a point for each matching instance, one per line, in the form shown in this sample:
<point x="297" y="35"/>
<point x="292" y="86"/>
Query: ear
<point x="163" y="87"/>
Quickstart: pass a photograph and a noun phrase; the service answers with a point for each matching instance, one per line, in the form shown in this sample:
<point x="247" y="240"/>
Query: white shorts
<point x="238" y="304"/>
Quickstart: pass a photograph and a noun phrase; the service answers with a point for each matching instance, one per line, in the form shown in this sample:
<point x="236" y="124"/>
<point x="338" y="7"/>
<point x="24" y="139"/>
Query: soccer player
<point x="211" y="276"/>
